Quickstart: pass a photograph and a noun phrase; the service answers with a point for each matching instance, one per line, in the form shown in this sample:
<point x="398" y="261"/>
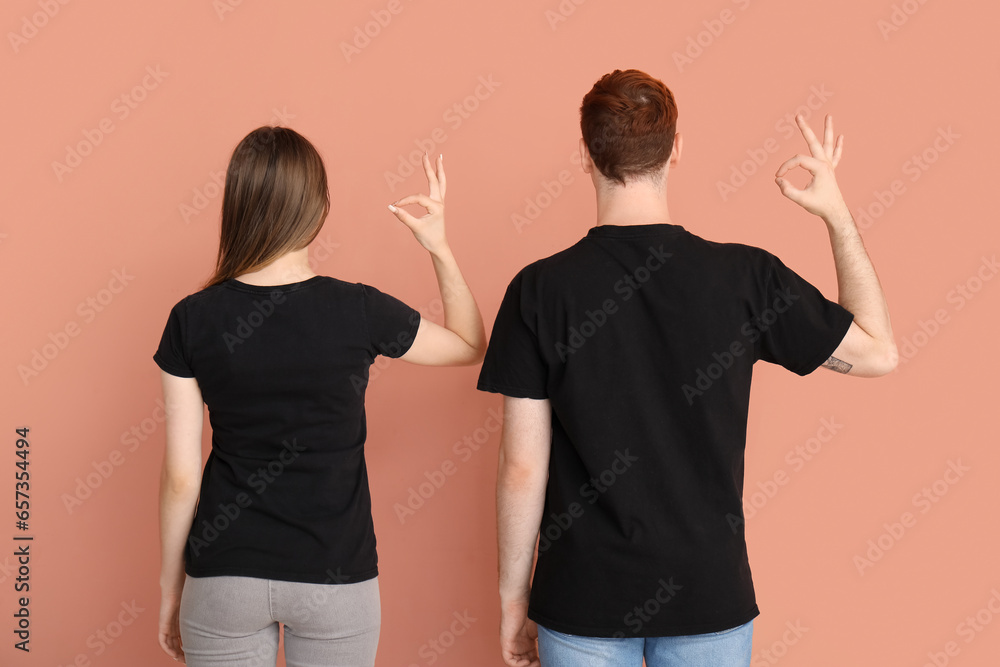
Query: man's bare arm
<point x="868" y="349"/>
<point x="839" y="365"/>
<point x="522" y="476"/>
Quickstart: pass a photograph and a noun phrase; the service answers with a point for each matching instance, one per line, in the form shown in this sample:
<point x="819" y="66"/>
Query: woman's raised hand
<point x="428" y="229"/>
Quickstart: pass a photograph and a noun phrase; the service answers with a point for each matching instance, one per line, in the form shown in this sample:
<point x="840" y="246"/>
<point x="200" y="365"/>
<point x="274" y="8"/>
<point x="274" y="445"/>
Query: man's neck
<point x="634" y="204"/>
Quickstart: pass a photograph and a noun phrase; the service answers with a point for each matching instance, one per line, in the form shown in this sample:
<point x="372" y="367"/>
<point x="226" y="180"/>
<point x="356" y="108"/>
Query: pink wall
<point x="907" y="81"/>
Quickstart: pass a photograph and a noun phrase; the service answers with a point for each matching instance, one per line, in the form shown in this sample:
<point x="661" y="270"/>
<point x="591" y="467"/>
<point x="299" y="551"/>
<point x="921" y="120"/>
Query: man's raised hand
<point x="821" y="196"/>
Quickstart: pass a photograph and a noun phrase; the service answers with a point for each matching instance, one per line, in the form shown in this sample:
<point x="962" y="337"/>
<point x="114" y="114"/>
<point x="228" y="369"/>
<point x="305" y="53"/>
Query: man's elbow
<point x="892" y="357"/>
<point x="884" y="361"/>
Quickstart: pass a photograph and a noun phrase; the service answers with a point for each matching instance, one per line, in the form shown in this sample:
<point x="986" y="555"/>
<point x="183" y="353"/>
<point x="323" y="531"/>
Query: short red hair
<point x="628" y="120"/>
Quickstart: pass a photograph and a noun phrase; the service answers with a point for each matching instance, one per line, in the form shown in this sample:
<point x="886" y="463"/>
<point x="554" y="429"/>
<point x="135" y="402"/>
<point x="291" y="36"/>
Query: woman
<point x="279" y="531"/>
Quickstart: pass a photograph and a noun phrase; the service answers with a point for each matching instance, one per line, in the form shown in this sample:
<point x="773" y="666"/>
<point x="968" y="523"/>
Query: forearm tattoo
<point x="835" y="364"/>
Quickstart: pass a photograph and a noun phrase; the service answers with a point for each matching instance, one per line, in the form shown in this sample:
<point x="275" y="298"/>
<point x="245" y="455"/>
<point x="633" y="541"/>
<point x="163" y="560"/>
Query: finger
<point x="429" y="203"/>
<point x="512" y="659"/>
<point x="838" y="150"/>
<point x="789" y="190"/>
<point x="166" y="643"/>
<point x="440" y="175"/>
<point x="828" y="136"/>
<point x="811" y="140"/>
<point x="403" y="216"/>
<point x="406" y="217"/>
<point x="432" y="179"/>
<point x="810" y="164"/>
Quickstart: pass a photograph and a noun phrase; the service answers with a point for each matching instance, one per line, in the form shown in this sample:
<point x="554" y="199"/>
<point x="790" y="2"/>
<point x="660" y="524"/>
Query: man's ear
<point x="585" y="161"/>
<point x="675" y="152"/>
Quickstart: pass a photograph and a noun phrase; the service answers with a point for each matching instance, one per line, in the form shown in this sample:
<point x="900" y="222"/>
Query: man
<point x="625" y="364"/>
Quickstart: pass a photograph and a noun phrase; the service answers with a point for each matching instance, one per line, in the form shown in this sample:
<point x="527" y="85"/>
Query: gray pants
<point x="236" y="620"/>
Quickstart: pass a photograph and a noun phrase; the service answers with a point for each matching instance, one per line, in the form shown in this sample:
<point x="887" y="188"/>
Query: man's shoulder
<point x="567" y="257"/>
<point x="728" y="249"/>
<point x="566" y="264"/>
<point x="552" y="266"/>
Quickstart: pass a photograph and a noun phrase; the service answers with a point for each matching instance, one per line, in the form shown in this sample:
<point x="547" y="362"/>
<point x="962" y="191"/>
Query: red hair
<point x="628" y="121"/>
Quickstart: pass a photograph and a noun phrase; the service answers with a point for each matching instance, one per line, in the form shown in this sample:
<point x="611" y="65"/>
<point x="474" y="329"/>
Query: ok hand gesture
<point x="821" y="196"/>
<point x="428" y="229"/>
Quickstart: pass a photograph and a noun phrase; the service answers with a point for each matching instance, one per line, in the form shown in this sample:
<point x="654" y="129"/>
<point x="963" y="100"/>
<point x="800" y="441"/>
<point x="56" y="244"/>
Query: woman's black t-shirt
<point x="283" y="370"/>
<point x="643" y="339"/>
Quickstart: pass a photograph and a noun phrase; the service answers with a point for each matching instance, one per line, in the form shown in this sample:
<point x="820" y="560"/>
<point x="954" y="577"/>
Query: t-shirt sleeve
<point x="391" y="324"/>
<point x="513" y="365"/>
<point x="172" y="355"/>
<point x="798" y="327"/>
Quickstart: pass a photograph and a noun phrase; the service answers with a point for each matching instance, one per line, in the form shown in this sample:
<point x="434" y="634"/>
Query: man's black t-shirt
<point x="283" y="370"/>
<point x="643" y="339"/>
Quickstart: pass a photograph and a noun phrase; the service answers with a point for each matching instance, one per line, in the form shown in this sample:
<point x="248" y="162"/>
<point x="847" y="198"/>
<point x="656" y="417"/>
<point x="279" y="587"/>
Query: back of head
<point x="628" y="121"/>
<point x="275" y="201"/>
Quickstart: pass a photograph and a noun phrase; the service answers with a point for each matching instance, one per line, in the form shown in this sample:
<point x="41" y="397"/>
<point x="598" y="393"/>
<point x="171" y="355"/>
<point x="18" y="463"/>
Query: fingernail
<point x="392" y="208"/>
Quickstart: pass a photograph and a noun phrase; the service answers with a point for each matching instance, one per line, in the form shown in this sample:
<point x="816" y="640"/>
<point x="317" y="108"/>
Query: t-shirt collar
<point x="627" y="231"/>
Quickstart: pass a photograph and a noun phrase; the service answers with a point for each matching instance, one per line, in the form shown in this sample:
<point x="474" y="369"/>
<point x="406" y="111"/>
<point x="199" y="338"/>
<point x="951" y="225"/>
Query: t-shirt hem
<point x="506" y="390"/>
<point x="649" y="630"/>
<point x="170" y="368"/>
<point x="301" y="577"/>
<point x="411" y="335"/>
<point x="841" y="330"/>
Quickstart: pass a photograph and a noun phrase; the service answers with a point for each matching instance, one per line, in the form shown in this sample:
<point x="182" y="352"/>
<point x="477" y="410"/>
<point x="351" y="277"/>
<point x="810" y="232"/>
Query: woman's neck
<point x="292" y="267"/>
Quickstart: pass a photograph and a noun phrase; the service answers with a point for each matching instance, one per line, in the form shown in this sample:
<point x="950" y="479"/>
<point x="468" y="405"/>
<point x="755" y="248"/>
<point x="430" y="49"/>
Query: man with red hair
<point x="625" y="363"/>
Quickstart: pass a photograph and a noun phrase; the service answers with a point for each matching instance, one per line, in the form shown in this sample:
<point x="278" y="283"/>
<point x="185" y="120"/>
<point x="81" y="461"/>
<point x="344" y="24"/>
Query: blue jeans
<point x="728" y="648"/>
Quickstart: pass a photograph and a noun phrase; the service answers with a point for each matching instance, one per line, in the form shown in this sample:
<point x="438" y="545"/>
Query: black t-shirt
<point x="643" y="339"/>
<point x="283" y="370"/>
